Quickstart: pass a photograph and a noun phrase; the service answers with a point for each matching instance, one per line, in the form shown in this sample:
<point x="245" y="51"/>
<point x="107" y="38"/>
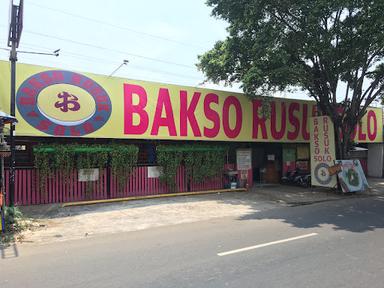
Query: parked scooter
<point x="297" y="177"/>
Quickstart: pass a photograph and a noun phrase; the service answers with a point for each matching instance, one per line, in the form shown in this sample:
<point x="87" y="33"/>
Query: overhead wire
<point x="137" y="67"/>
<point x="108" y="49"/>
<point x="189" y="44"/>
<point x="83" y="57"/>
<point x="92" y="59"/>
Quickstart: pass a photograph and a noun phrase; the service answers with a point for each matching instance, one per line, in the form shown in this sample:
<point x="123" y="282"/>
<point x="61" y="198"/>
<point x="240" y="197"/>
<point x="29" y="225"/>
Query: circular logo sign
<point x="63" y="103"/>
<point x="321" y="174"/>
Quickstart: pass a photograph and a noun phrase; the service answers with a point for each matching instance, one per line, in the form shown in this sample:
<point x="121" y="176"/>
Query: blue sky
<point x="96" y="36"/>
<point x="161" y="39"/>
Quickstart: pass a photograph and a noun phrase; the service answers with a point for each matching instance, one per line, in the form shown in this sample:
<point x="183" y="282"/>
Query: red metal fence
<point x="58" y="188"/>
<point x="64" y="187"/>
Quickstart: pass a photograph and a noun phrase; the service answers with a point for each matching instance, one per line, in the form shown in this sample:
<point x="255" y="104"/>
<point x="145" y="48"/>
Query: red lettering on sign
<point x="33" y="114"/>
<point x="36" y="84"/>
<point x="44" y="125"/>
<point x="102" y="98"/>
<point x="59" y="130"/>
<point x="47" y="79"/>
<point x="103" y="107"/>
<point x="232" y="133"/>
<point x="372" y="134"/>
<point x="76" y="79"/>
<point x="57" y="76"/>
<point x="211" y="115"/>
<point x="362" y="135"/>
<point x="74" y="132"/>
<point x="278" y="134"/>
<point x="315" y="112"/>
<point x="294" y="121"/>
<point x="187" y="114"/>
<point x="130" y="109"/>
<point x="29" y="92"/>
<point x="167" y="121"/>
<point x="88" y="128"/>
<point x="257" y="121"/>
<point x="88" y="84"/>
<point x="26" y="101"/>
<point x="97" y="91"/>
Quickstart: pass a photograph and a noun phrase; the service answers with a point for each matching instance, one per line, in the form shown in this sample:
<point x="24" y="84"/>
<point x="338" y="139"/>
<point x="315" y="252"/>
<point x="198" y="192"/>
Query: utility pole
<point x="13" y="59"/>
<point x="15" y="29"/>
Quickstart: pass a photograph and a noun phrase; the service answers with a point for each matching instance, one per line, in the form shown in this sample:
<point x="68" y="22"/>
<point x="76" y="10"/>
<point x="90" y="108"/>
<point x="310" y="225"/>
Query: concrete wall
<point x="375" y="160"/>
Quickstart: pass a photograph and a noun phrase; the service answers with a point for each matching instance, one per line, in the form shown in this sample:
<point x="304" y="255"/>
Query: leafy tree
<point x="333" y="50"/>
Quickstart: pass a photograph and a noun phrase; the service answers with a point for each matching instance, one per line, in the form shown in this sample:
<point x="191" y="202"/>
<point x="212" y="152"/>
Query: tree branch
<point x="281" y="20"/>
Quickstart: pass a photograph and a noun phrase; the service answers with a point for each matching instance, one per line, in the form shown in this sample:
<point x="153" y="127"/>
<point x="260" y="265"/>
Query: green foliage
<point x="123" y="160"/>
<point x="169" y="161"/>
<point x="69" y="157"/>
<point x="311" y="45"/>
<point x="44" y="162"/>
<point x="201" y="162"/>
<point x="202" y="165"/>
<point x="64" y="159"/>
<point x="14" y="224"/>
<point x="96" y="158"/>
<point x="88" y="159"/>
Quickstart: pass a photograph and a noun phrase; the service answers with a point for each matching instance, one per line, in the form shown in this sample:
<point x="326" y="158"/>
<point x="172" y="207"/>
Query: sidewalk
<point x="56" y="223"/>
<point x="294" y="195"/>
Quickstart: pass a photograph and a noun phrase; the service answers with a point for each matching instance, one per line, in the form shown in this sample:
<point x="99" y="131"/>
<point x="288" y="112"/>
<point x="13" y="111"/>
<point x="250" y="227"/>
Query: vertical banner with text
<point x="322" y="137"/>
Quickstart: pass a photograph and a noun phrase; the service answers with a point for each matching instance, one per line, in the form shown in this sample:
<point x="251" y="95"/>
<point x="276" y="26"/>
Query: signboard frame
<point x="351" y="176"/>
<point x="323" y="151"/>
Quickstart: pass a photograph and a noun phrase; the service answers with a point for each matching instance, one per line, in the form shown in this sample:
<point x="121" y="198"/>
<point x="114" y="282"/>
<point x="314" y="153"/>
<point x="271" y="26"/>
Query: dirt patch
<point x="87" y="221"/>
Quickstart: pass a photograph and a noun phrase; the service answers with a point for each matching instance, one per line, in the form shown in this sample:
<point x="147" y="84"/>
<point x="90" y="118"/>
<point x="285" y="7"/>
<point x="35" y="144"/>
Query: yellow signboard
<point x="53" y="102"/>
<point x="322" y="151"/>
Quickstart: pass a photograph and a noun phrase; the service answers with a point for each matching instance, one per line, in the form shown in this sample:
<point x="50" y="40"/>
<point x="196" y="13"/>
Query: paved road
<point x="330" y="244"/>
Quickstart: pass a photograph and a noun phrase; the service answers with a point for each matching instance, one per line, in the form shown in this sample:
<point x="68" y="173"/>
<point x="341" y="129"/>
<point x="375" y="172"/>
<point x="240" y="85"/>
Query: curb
<point x="92" y="202"/>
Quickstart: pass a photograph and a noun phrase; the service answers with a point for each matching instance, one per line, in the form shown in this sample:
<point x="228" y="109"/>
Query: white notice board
<point x="85" y="175"/>
<point x="244" y="159"/>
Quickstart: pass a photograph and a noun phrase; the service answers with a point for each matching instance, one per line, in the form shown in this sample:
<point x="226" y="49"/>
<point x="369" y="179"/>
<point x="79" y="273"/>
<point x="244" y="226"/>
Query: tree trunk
<point x="339" y="143"/>
<point x="344" y="141"/>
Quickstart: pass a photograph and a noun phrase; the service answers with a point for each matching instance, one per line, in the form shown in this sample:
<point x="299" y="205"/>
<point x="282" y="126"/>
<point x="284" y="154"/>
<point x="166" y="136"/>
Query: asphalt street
<point x="329" y="244"/>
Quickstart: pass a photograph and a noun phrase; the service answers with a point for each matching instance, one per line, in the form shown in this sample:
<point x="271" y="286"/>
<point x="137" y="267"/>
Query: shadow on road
<point x="354" y="215"/>
<point x="10" y="251"/>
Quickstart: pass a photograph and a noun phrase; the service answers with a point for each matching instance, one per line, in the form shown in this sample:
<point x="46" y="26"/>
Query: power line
<point x="92" y="59"/>
<point x="145" y="78"/>
<point x="117" y="26"/>
<point x="107" y="49"/>
<point x="138" y="67"/>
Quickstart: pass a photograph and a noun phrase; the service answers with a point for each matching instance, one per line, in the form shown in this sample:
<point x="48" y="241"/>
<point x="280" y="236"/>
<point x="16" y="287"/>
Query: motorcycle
<point x="297" y="177"/>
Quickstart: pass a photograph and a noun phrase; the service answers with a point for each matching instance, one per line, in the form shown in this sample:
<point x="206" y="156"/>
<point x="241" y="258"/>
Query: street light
<point x="54" y="53"/>
<point x="15" y="22"/>
<point x="125" y="62"/>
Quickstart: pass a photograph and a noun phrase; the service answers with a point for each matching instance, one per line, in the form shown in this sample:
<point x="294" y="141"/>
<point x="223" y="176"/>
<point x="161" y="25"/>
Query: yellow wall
<point x="52" y="102"/>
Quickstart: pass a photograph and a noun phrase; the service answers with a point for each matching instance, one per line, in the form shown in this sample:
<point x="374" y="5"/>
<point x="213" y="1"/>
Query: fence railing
<point x="63" y="187"/>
